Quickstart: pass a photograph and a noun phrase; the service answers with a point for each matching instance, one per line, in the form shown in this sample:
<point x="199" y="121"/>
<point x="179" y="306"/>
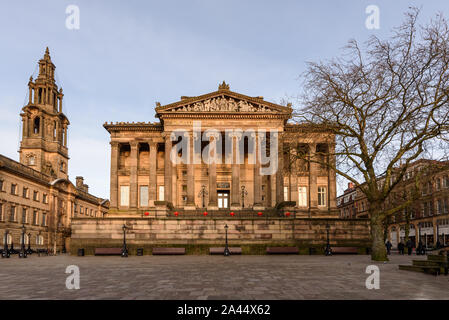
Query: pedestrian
<point x="419" y="250"/>
<point x="388" y="245"/>
<point x="401" y="247"/>
<point x="409" y="246"/>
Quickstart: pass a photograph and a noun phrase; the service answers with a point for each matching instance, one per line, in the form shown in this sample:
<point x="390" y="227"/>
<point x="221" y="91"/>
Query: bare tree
<point x="387" y="105"/>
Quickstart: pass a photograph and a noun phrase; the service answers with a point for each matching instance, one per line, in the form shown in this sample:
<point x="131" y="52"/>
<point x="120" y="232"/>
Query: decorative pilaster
<point x="280" y="171"/>
<point x="332" y="181"/>
<point x="133" y="175"/>
<point x="313" y="172"/>
<point x="114" y="174"/>
<point x="152" y="184"/>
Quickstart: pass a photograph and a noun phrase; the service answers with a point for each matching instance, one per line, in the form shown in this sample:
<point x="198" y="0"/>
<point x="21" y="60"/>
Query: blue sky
<point x="128" y="55"/>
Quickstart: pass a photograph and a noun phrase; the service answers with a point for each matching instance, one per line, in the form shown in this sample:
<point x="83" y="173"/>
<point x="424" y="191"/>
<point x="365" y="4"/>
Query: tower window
<point x="39" y="96"/>
<point x="31" y="160"/>
<point x="36" y="126"/>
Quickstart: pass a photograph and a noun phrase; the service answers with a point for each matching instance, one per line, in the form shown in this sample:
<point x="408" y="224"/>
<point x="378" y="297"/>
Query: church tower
<point x="44" y="136"/>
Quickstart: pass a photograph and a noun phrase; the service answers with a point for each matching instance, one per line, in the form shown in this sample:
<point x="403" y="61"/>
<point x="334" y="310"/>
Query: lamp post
<point x="226" y="250"/>
<point x="244" y="193"/>
<point x="6" y="253"/>
<point x="124" y="249"/>
<point x="328" y="251"/>
<point x="202" y="194"/>
<point x="29" y="244"/>
<point x="22" y="253"/>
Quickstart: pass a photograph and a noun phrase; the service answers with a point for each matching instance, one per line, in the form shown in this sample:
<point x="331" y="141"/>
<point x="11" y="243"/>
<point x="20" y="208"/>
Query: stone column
<point x="190" y="205"/>
<point x="313" y="172"/>
<point x="65" y="136"/>
<point x="257" y="176"/>
<point x="133" y="175"/>
<point x="213" y="204"/>
<point x="24" y="127"/>
<point x="41" y="125"/>
<point x="114" y="174"/>
<point x="280" y="171"/>
<point x="152" y="183"/>
<point x="167" y="168"/>
<point x="235" y="166"/>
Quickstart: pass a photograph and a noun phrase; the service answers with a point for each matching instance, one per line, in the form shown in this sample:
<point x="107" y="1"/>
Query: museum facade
<point x="216" y="152"/>
<point x="221" y="165"/>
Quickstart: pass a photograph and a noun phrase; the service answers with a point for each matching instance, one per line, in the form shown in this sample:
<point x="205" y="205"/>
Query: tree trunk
<point x="378" y="252"/>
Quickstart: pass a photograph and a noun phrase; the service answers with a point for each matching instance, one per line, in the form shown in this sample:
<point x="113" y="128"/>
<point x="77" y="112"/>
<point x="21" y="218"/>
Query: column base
<point x="190" y="207"/>
<point x="258" y="207"/>
<point x="236" y="206"/>
<point x="212" y="208"/>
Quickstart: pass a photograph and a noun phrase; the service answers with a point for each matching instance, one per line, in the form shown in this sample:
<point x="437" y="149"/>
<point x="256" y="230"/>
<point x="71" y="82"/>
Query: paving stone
<point x="211" y="277"/>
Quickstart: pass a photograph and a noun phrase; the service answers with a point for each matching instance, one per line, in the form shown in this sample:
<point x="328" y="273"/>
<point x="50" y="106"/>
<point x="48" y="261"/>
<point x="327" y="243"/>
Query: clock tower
<point x="44" y="136"/>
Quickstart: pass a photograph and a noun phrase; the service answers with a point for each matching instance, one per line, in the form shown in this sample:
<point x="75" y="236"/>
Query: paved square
<point x="215" y="277"/>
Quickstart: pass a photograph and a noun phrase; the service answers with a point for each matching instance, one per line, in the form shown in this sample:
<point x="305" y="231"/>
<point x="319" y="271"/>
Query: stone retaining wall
<point x="198" y="234"/>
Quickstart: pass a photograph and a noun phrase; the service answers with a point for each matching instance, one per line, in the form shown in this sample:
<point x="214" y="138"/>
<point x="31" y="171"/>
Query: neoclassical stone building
<point x="215" y="162"/>
<point x="145" y="180"/>
<point x="36" y="192"/>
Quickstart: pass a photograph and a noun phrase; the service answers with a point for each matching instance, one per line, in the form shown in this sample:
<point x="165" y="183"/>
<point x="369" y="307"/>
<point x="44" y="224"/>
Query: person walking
<point x="388" y="245"/>
<point x="409" y="247"/>
<point x="401" y="247"/>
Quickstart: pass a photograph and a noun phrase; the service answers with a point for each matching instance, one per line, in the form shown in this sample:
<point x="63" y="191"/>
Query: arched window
<point x="54" y="129"/>
<point x="36" y="125"/>
<point x="32" y="160"/>
<point x="25" y="238"/>
<point x="39" y="96"/>
<point x="39" y="240"/>
<point x="8" y="238"/>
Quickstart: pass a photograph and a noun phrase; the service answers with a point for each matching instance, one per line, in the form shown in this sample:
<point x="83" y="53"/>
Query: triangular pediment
<point x="223" y="101"/>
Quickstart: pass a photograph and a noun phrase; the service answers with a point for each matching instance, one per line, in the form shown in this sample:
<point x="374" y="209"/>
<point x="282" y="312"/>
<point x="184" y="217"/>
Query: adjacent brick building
<point x="36" y="192"/>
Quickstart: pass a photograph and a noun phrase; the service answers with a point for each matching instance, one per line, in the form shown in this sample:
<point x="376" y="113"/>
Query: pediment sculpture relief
<point x="222" y="105"/>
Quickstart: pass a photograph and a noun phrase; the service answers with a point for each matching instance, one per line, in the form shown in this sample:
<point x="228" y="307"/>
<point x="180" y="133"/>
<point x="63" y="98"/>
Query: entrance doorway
<point x="223" y="199"/>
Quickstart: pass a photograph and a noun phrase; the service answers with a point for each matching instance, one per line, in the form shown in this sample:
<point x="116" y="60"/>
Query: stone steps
<point x="425" y="263"/>
<point x="424" y="269"/>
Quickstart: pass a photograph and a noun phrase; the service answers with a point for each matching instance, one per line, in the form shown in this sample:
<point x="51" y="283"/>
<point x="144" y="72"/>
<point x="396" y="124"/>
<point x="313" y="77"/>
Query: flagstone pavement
<point x="215" y="277"/>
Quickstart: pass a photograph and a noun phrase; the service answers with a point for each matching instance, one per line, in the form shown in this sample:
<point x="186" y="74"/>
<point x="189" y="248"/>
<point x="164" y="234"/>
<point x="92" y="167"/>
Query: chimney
<point x="79" y="182"/>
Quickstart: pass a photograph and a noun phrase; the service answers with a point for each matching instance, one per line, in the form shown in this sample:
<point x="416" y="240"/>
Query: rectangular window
<point x="24" y="215"/>
<point x="124" y="195"/>
<point x="161" y="193"/>
<point x="1" y="211"/>
<point x="36" y="196"/>
<point x="35" y="218"/>
<point x="25" y="192"/>
<point x="44" y="198"/>
<point x="44" y="219"/>
<point x="13" y="188"/>
<point x="302" y="196"/>
<point x="1" y="185"/>
<point x="285" y="193"/>
<point x="144" y="196"/>
<point x="12" y="216"/>
<point x="322" y="196"/>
